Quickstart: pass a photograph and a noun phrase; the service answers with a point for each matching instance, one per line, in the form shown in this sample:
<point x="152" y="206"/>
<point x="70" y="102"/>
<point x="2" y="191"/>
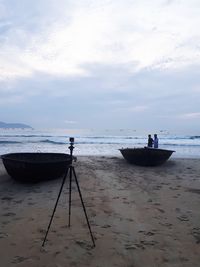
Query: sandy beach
<point x="140" y="216"/>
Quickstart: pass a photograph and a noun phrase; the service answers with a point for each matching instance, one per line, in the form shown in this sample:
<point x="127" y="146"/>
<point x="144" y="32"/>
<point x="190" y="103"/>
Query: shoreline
<point x="140" y="216"/>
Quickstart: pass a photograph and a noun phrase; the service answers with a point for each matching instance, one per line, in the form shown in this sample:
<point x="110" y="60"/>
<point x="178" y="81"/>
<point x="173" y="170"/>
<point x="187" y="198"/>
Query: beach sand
<point x="140" y="216"/>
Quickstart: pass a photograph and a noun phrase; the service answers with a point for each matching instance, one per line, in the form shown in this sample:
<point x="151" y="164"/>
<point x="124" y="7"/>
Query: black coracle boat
<point x="34" y="167"/>
<point x="146" y="156"/>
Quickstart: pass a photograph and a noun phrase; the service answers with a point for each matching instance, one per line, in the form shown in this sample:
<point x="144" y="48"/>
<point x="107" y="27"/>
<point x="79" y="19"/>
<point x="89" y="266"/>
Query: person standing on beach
<point x="150" y="141"/>
<point x="155" y="141"/>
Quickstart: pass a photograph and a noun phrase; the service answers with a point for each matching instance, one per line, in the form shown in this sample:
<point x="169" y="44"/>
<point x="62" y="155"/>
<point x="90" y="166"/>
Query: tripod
<point x="72" y="172"/>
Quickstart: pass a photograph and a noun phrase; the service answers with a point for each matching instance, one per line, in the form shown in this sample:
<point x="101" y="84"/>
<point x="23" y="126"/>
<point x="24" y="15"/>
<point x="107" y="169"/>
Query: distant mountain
<point x="14" y="125"/>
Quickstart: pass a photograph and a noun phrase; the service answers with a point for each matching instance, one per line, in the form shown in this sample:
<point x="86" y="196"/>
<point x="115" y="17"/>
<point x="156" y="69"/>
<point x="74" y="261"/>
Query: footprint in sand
<point x="165" y="183"/>
<point x="5" y="223"/>
<point x="156" y="204"/>
<point x="183" y="218"/>
<point x="196" y="234"/>
<point x="18" y="201"/>
<point x="126" y="202"/>
<point x="130" y="220"/>
<point x="157" y="187"/>
<point x="31" y="219"/>
<point x="166" y="224"/>
<point x="161" y="210"/>
<point x="106" y="226"/>
<point x="127" y="246"/>
<point x="41" y="231"/>
<point x="17" y="218"/>
<point x="134" y="246"/>
<point x="3" y="235"/>
<point x="173" y="188"/>
<point x="84" y="245"/>
<point x="149" y="242"/>
<point x="18" y="259"/>
<point x="31" y="203"/>
<point x="176" y="196"/>
<point x="193" y="190"/>
<point x="149" y="233"/>
<point x="7" y="198"/>
<point x="57" y="253"/>
<point x="8" y="214"/>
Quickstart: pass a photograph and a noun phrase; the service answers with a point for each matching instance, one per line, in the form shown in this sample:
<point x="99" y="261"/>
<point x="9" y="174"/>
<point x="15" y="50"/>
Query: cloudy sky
<point x="100" y="63"/>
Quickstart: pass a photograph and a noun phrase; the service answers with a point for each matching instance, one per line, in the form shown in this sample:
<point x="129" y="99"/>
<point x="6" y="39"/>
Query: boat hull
<point x="34" y="167"/>
<point x="146" y="156"/>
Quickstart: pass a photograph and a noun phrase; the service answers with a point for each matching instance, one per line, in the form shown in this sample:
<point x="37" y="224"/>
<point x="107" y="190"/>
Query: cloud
<point x="184" y="116"/>
<point x="127" y="108"/>
<point x="100" y="63"/>
<point x="133" y="109"/>
<point x="60" y="39"/>
<point x="138" y="108"/>
<point x="70" y="122"/>
<point x="192" y="115"/>
<point x="12" y="100"/>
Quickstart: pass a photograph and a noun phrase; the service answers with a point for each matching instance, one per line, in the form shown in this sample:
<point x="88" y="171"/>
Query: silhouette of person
<point x="155" y="141"/>
<point x="150" y="141"/>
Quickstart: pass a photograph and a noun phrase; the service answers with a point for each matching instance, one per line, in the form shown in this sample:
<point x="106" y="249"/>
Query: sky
<point x="126" y="64"/>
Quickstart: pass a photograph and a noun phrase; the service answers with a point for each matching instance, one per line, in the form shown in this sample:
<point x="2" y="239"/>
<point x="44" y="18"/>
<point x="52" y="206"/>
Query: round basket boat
<point x="146" y="156"/>
<point x="34" y="167"/>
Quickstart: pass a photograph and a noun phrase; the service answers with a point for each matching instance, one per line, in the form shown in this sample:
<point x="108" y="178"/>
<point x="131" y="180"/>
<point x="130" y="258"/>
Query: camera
<point x="71" y="139"/>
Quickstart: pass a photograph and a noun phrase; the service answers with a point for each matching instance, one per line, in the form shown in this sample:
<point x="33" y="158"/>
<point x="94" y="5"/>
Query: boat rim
<point x="147" y="148"/>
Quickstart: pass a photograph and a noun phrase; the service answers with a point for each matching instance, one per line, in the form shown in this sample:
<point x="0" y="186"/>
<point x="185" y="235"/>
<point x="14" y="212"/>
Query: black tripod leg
<point x="70" y="194"/>
<point x="64" y="178"/>
<point x="83" y="206"/>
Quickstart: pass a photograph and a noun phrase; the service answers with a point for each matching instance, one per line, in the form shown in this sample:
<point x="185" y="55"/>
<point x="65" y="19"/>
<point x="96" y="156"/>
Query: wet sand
<point x="139" y="216"/>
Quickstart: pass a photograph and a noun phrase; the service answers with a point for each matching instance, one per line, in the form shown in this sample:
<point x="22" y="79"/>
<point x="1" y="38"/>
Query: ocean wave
<point x="111" y="137"/>
<point x="109" y="142"/>
<point x="52" y="142"/>
<point x="25" y="135"/>
<point x="195" y="137"/>
<point x="9" y="142"/>
<point x="99" y="137"/>
<point x="99" y="143"/>
<point x="184" y="145"/>
<point x="47" y="141"/>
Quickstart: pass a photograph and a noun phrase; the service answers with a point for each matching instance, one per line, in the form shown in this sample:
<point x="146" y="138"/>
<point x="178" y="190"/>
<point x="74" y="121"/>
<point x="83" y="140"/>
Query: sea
<point x="94" y="142"/>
